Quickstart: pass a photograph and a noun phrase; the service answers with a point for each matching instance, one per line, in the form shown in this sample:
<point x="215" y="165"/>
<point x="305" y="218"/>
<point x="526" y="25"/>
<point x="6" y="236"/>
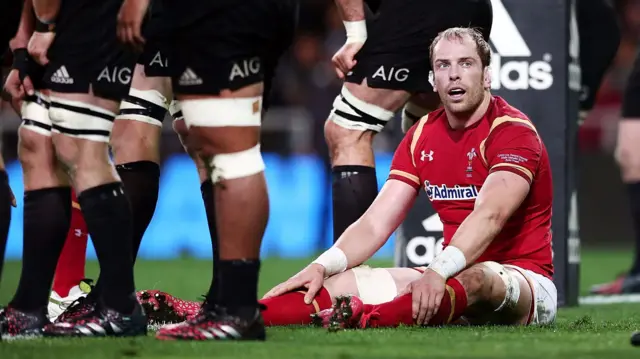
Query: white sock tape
<point x="333" y="260"/>
<point x="449" y="262"/>
<point x="356" y="31"/>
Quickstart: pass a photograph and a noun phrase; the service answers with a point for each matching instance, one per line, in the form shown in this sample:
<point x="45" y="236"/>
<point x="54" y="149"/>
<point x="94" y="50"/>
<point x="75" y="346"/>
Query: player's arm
<point x="369" y="233"/>
<point x="365" y="236"/>
<point x="351" y="10"/>
<point x="25" y="29"/>
<point x="352" y="14"/>
<point x="512" y="156"/>
<point x="46" y="10"/>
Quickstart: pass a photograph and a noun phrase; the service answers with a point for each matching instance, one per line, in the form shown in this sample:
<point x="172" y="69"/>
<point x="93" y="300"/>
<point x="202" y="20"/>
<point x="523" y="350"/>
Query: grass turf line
<point x="584" y="332"/>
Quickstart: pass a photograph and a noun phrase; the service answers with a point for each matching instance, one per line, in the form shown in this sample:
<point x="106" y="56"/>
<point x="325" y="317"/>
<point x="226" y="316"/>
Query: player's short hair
<point x="458" y="33"/>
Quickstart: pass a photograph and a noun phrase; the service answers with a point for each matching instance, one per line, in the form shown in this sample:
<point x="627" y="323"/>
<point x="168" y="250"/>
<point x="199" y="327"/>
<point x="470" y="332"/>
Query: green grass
<point x="584" y="332"/>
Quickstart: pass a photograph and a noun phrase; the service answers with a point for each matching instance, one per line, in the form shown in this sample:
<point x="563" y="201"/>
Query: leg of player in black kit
<point x="87" y="86"/>
<point x="220" y="98"/>
<point x="628" y="157"/>
<point x="47" y="197"/>
<point x="387" y="72"/>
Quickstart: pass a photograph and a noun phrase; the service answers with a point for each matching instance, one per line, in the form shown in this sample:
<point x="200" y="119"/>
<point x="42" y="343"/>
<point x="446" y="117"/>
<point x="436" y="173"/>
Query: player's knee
<point x="350" y="117"/>
<point x="34" y="150"/>
<point x="133" y="141"/>
<point x="502" y="288"/>
<point x="476" y="281"/>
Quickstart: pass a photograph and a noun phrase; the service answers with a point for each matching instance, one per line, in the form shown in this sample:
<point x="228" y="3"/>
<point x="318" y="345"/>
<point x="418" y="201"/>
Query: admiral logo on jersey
<point x="455" y="193"/>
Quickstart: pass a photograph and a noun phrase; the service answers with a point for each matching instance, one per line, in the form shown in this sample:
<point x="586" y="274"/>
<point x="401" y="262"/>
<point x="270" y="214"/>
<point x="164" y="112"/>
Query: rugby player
<point x="628" y="159"/>
<point x="9" y="18"/>
<point x="487" y="174"/>
<point x="35" y="151"/>
<point x="220" y="89"/>
<point x="383" y="65"/>
<point x="86" y="83"/>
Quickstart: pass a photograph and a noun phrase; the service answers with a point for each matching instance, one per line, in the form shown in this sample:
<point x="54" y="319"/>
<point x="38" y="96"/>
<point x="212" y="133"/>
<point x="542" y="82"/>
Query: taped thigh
<point x="228" y="166"/>
<point x="512" y="285"/>
<point x="147" y="106"/>
<point x="375" y="285"/>
<point x="354" y="114"/>
<point x="222" y="112"/>
<point x="81" y="120"/>
<point x="35" y="114"/>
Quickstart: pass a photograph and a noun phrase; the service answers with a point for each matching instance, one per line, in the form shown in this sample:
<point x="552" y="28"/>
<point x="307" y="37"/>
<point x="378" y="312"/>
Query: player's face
<point x="458" y="75"/>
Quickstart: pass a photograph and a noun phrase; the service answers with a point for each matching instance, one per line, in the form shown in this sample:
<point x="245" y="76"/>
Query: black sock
<point x="5" y="215"/>
<point x="354" y="189"/>
<point x="238" y="284"/>
<point x="141" y="181"/>
<point x="108" y="215"/>
<point x="634" y="199"/>
<point x="47" y="217"/>
<point x="206" y="188"/>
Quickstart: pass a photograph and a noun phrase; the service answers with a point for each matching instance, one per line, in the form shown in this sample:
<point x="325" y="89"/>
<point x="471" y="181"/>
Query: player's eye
<point x="466" y="64"/>
<point x="442" y="65"/>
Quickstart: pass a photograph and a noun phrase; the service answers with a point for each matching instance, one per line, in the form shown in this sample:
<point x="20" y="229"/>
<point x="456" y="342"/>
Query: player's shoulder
<point x="506" y="118"/>
<point x="425" y="125"/>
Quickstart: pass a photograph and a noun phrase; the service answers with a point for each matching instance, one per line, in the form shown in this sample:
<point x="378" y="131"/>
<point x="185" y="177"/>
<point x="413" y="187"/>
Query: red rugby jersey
<point x="452" y="165"/>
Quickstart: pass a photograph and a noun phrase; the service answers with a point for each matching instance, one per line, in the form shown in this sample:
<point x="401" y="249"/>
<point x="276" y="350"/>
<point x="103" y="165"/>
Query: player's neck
<point x="459" y="121"/>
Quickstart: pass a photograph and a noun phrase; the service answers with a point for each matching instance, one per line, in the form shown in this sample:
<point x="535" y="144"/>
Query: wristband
<point x="44" y="26"/>
<point x="449" y="262"/>
<point x="356" y="31"/>
<point x="21" y="62"/>
<point x="333" y="260"/>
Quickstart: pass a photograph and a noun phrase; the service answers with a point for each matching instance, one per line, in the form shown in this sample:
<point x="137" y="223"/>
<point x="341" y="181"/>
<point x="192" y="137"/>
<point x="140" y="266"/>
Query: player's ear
<point x="432" y="81"/>
<point x="487" y="77"/>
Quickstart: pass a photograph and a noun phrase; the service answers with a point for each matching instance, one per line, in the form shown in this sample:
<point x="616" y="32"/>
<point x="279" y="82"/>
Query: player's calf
<point x="135" y="143"/>
<point x="358" y="113"/>
<point x="82" y="125"/>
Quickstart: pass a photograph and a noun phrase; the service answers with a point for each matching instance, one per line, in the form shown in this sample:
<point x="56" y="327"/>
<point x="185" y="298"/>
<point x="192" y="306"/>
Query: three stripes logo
<point x="61" y="76"/>
<point x="507" y="42"/>
<point x="189" y="78"/>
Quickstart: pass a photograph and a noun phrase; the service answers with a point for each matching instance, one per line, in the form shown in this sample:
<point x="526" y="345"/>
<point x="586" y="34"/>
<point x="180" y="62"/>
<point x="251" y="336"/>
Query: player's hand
<point x="17" y="88"/>
<point x="312" y="278"/>
<point x="130" y="20"/>
<point x="344" y="59"/>
<point x="39" y="44"/>
<point x="427" y="293"/>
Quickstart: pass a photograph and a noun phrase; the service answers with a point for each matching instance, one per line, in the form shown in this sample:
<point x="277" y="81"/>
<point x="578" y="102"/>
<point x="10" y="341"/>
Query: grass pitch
<point x="600" y="331"/>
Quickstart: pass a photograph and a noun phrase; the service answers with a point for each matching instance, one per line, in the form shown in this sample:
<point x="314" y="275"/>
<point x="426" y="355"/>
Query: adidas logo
<point x="507" y="41"/>
<point x="61" y="76"/>
<point x="189" y="78"/>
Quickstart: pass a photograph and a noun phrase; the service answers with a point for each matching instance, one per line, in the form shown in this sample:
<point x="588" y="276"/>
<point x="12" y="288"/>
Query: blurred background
<point x="298" y="172"/>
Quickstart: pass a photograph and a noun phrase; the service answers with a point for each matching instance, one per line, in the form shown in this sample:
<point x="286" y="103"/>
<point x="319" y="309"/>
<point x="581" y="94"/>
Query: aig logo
<point x="393" y="74"/>
<point x="116" y="74"/>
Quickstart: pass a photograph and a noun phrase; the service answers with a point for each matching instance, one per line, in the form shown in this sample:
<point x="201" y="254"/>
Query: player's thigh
<point x="372" y="285"/>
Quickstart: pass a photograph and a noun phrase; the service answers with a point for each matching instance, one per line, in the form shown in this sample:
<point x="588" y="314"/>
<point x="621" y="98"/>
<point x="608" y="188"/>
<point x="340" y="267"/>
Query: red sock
<point x="399" y="311"/>
<point x="290" y="309"/>
<point x="70" y="269"/>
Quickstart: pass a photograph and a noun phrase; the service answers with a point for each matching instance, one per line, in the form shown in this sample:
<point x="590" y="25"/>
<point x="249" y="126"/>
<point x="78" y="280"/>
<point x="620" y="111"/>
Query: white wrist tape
<point x="449" y="262"/>
<point x="356" y="31"/>
<point x="333" y="260"/>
